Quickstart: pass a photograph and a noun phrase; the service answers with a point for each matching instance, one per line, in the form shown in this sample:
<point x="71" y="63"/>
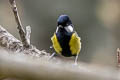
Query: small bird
<point x="65" y="40"/>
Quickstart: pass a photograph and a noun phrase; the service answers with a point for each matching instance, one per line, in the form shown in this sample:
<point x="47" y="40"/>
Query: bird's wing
<point x="75" y="44"/>
<point x="56" y="44"/>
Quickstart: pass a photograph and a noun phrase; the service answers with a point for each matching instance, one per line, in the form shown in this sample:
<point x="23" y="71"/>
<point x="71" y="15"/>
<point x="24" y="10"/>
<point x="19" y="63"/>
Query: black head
<point x="64" y="20"/>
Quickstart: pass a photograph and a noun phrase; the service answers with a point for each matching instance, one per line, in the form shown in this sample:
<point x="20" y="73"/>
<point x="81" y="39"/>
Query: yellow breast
<point x="56" y="44"/>
<point x="75" y="44"/>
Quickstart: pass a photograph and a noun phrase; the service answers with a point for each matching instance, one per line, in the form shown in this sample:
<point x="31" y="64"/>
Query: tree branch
<point x="22" y="33"/>
<point x="118" y="58"/>
<point x="27" y="68"/>
<point x="9" y="42"/>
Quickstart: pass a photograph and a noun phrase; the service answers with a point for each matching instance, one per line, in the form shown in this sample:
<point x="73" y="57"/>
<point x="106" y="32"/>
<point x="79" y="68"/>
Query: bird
<point x="65" y="39"/>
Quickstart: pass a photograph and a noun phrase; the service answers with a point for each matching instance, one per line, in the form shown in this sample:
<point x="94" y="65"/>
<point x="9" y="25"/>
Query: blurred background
<point x="97" y="22"/>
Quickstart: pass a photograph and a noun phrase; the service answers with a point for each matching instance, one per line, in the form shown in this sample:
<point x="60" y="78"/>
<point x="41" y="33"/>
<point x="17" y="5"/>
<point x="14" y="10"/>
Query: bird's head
<point x="65" y="22"/>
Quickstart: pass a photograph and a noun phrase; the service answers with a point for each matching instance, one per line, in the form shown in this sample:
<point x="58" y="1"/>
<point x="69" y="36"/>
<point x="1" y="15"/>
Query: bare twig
<point x="28" y="32"/>
<point x="118" y="57"/>
<point x="20" y="27"/>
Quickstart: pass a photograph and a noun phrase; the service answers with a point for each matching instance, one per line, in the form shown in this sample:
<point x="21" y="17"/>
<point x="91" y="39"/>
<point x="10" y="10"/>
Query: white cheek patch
<point x="69" y="28"/>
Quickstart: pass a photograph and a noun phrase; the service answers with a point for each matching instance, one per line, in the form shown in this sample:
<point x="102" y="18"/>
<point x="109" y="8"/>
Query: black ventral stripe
<point x="63" y="39"/>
